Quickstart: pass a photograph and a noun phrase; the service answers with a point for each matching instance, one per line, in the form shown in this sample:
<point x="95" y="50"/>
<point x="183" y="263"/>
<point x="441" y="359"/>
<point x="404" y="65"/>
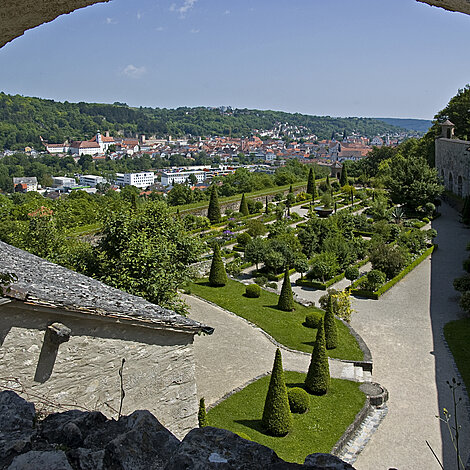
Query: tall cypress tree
<point x="318" y="375"/>
<point x="244" y="206"/>
<point x="202" y="415"/>
<point x="286" y="299"/>
<point x="266" y="210"/>
<point x="331" y="330"/>
<point x="217" y="275"/>
<point x="291" y="189"/>
<point x="277" y="419"/>
<point x="310" y="182"/>
<point x="328" y="184"/>
<point x="466" y="210"/>
<point x="343" y="179"/>
<point x="213" y="212"/>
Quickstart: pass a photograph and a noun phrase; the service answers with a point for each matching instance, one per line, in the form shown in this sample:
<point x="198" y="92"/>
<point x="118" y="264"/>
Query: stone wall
<point x="453" y="165"/>
<point x="158" y="375"/>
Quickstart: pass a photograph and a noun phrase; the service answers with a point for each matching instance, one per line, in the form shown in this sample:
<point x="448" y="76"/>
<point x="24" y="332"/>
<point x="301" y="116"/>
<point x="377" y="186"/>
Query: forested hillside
<point x="24" y="119"/>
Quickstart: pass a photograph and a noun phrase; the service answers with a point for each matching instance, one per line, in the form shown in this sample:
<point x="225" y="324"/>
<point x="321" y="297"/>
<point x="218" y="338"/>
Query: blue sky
<point x="383" y="58"/>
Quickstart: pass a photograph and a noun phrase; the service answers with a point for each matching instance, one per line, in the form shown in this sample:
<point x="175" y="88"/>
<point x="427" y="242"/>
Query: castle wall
<point x="453" y="165"/>
<point x="158" y="375"/>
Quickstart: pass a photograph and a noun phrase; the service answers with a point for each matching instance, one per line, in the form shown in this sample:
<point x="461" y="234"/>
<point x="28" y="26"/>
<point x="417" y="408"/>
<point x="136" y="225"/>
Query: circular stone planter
<point x="376" y="393"/>
<point x="322" y="212"/>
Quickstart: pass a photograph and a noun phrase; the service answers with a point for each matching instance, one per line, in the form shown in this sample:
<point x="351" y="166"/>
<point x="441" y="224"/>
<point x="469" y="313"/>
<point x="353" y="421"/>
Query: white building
<point x="63" y="181"/>
<point x="140" y="180"/>
<point x="170" y="178"/>
<point x="91" y="180"/>
<point x="25" y="184"/>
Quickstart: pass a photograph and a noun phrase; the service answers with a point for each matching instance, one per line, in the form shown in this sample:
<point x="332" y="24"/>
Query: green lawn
<point x="457" y="334"/>
<point x="285" y="327"/>
<point x="318" y="430"/>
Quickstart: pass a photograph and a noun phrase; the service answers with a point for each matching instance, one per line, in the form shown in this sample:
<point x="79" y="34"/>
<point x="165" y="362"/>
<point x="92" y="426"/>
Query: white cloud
<point x="194" y="31"/>
<point x="184" y="8"/>
<point x="134" y="72"/>
<point x="110" y="20"/>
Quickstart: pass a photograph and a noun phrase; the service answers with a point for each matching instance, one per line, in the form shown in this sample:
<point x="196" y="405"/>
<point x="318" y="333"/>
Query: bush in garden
<point x="312" y="320"/>
<point x="213" y="212"/>
<point x="243" y="239"/>
<point x="331" y="330"/>
<point x="299" y="401"/>
<point x="318" y="375"/>
<point x="261" y="280"/>
<point x="234" y="267"/>
<point x="466" y="265"/>
<point x="429" y="209"/>
<point x="256" y="228"/>
<point x="335" y="186"/>
<point x="462" y="284"/>
<point x="202" y="415"/>
<point x="277" y="419"/>
<point x="464" y="301"/>
<point x="351" y="273"/>
<point x="244" y="206"/>
<point x="327" y="200"/>
<point x="341" y="302"/>
<point x="374" y="280"/>
<point x="271" y="285"/>
<point x="217" y="275"/>
<point x="286" y="298"/>
<point x="323" y="266"/>
<point x="389" y="259"/>
<point x="253" y="291"/>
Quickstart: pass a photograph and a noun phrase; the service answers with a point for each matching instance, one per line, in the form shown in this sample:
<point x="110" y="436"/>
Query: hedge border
<point x="273" y="277"/>
<point x="388" y="285"/>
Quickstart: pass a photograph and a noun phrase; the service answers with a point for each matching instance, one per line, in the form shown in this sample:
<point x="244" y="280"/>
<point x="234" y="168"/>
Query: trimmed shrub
<point x="217" y="275"/>
<point x="374" y="280"/>
<point x="213" y="212"/>
<point x="202" y="415"/>
<point x="466" y="265"/>
<point x="286" y="299"/>
<point x="244" y="206"/>
<point x="299" y="401"/>
<point x="277" y="419"/>
<point x="243" y="239"/>
<point x="318" y="375"/>
<point x="253" y="291"/>
<point x="351" y="273"/>
<point x="462" y="284"/>
<point x="331" y="331"/>
<point x="243" y="435"/>
<point x="261" y="280"/>
<point x="271" y="285"/>
<point x="464" y="301"/>
<point x="312" y="320"/>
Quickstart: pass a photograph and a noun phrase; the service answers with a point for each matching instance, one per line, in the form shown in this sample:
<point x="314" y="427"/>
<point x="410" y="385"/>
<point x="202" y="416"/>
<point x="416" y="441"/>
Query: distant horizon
<point x="215" y="107"/>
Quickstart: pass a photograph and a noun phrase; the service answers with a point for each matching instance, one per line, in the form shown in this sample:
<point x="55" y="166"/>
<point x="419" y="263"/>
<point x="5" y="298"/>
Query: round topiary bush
<point x="253" y="291"/>
<point x="299" y="401"/>
<point x="244" y="436"/>
<point x="243" y="239"/>
<point x="312" y="320"/>
<point x="374" y="280"/>
<point x="271" y="285"/>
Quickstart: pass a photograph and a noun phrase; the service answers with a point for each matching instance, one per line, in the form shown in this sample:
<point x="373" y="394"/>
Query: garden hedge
<point x="253" y="291"/>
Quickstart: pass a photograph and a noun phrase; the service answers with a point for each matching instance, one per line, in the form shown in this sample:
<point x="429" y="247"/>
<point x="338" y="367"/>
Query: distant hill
<point x="419" y="125"/>
<point x="24" y="119"/>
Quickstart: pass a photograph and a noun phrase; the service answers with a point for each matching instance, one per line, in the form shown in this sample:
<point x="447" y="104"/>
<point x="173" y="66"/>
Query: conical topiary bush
<point x="286" y="299"/>
<point x="217" y="275"/>
<point x="213" y="212"/>
<point x="331" y="330"/>
<point x="202" y="415"/>
<point x="277" y="419"/>
<point x="318" y="375"/>
<point x="244" y="206"/>
<point x="311" y="183"/>
<point x="343" y="179"/>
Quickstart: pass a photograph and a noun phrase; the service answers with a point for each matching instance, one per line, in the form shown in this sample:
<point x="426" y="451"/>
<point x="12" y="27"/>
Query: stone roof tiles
<point x="46" y="284"/>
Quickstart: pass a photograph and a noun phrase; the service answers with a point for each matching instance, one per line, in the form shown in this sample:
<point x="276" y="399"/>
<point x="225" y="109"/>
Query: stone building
<point x="63" y="337"/>
<point x="453" y="161"/>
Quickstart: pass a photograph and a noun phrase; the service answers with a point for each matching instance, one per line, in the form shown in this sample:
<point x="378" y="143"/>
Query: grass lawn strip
<point x="457" y="334"/>
<point x="285" y="327"/>
<point x="318" y="430"/>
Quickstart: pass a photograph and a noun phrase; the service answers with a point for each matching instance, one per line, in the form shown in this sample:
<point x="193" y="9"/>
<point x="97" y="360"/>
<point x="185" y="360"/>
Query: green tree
<point x="331" y="330"/>
<point x="351" y="273"/>
<point x="147" y="253"/>
<point x="244" y="206"/>
<point x="343" y="179"/>
<point x="255" y="250"/>
<point x="277" y="419"/>
<point x="318" y="375"/>
<point x="286" y="299"/>
<point x="202" y="415"/>
<point x="310" y="181"/>
<point x="217" y="275"/>
<point x="213" y="212"/>
<point x="256" y="228"/>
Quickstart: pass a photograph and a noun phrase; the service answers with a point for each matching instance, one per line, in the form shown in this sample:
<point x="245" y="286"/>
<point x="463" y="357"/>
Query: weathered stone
<point x="58" y="333"/>
<point x="212" y="448"/>
<point x="86" y="459"/>
<point x="50" y="460"/>
<point x="16" y="426"/>
<point x="327" y="462"/>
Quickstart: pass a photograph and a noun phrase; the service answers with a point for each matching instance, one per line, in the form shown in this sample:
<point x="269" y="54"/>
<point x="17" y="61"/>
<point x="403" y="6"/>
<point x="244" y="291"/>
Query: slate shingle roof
<point x="43" y="283"/>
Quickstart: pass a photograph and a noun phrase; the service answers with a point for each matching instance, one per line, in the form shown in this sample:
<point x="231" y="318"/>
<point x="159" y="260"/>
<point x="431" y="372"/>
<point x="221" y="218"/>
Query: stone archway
<point x="450" y="186"/>
<point x="459" y="186"/>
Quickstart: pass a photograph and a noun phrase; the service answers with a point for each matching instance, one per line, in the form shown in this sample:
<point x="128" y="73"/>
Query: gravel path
<point x="404" y="331"/>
